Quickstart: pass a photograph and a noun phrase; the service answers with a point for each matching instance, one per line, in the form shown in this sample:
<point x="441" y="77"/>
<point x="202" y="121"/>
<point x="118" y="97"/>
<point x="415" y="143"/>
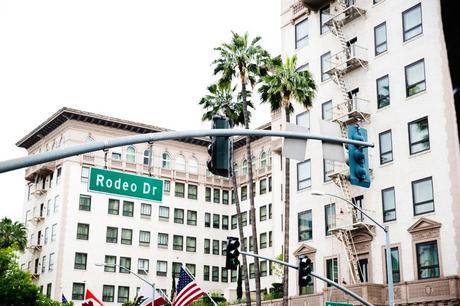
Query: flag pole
<point x="193" y="278"/>
<point x="164" y="296"/>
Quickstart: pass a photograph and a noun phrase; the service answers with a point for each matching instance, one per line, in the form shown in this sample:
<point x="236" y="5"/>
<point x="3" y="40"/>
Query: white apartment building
<point x="381" y="64"/>
<point x="72" y="229"/>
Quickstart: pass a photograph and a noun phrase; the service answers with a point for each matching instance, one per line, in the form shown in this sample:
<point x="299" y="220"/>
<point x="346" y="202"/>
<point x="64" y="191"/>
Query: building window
<point x="166" y="186"/>
<point x="263" y="240"/>
<point x="112" y="234"/>
<point x="328" y="167"/>
<point x="412" y="22"/>
<point x="363" y="270"/>
<point x="146" y="160"/>
<point x="215" y="274"/>
<point x="215" y="247"/>
<point x="165" y="160"/>
<point x="123" y="294"/>
<point x="422" y="196"/>
<point x="427" y="260"/>
<point x="53" y="232"/>
<point x="263" y="186"/>
<point x="383" y="91"/>
<point x="110" y="262"/>
<point x="216" y="221"/>
<point x="192" y="192"/>
<point x="80" y="261"/>
<point x="234" y="276"/>
<point x="303" y="119"/>
<point x="263" y="213"/>
<point x="332" y="270"/>
<point x="162" y="240"/>
<point x="244" y="167"/>
<point x="415" y="78"/>
<point x="207" y="220"/>
<point x="51" y="262"/>
<point x="58" y="176"/>
<point x="108" y="293"/>
<point x="216" y="195"/>
<point x="303" y="175"/>
<point x="225" y="222"/>
<point x="301" y="34"/>
<point x="43" y="265"/>
<point x="144" y="237"/>
<point x="394" y="253"/>
<point x="163" y="213"/>
<point x="162" y="268"/>
<point x="56" y="204"/>
<point x="85" y="202"/>
<point x="325" y="66"/>
<point x="234" y="221"/>
<point x="244" y="218"/>
<point x="191" y="217"/>
<point x="146" y="210"/>
<point x="114" y="207"/>
<point x="128" y="209"/>
<point x="208" y="194"/>
<point x="78" y="290"/>
<point x="224" y="275"/>
<point x="179" y="190"/>
<point x="178" y="243"/>
<point x="193" y="166"/>
<point x="180" y="163"/>
<point x="207" y="246"/>
<point x="304" y="225"/>
<point x="389" y="204"/>
<point x="190" y="244"/>
<point x="125" y="264"/>
<point x="380" y="38"/>
<point x="176" y="268"/>
<point x="252" y="270"/>
<point x="142" y="266"/>
<point x="84" y="174"/>
<point x="131" y="155"/>
<point x="244" y="193"/>
<point x="191" y="268"/>
<point x="324" y="15"/>
<point x="386" y="147"/>
<point x="178" y="215"/>
<point x="326" y="110"/>
<point x="225" y="196"/>
<point x="82" y="232"/>
<point x="126" y="236"/>
<point x="329" y="218"/>
<point x="206" y="273"/>
<point x="419" y="136"/>
<point x="224" y="248"/>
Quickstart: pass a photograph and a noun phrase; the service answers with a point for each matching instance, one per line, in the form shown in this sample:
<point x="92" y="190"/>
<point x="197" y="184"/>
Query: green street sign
<point x="130" y="185"/>
<point x="337" y="304"/>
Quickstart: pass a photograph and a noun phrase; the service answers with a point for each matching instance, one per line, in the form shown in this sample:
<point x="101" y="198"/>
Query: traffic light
<point x="220" y="149"/>
<point x="358" y="159"/>
<point x="231" y="257"/>
<point x="304" y="271"/>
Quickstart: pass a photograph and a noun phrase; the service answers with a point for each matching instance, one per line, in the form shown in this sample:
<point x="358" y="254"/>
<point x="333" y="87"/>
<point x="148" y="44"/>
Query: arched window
<point x="193" y="165"/>
<point x="165" y="160"/>
<point x="180" y="163"/>
<point x="235" y="169"/>
<point x="146" y="157"/>
<point x="131" y="155"/>
<point x="263" y="159"/>
<point x="245" y="167"/>
<point x="253" y="162"/>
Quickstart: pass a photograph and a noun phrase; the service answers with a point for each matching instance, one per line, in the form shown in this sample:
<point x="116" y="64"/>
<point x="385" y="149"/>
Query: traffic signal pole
<point x="326" y="280"/>
<point x="40" y="158"/>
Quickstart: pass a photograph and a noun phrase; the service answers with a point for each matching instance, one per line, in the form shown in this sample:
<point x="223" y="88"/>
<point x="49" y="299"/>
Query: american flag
<point x="187" y="290"/>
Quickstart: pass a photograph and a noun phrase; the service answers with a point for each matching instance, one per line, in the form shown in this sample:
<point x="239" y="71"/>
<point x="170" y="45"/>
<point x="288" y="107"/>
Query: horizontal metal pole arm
<point x="36" y="159"/>
<point x="332" y="283"/>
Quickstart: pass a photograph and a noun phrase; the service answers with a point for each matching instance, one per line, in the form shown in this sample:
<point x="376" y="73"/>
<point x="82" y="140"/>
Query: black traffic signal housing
<point x="220" y="149"/>
<point x="304" y="271"/>
<point x="358" y="158"/>
<point x="231" y="257"/>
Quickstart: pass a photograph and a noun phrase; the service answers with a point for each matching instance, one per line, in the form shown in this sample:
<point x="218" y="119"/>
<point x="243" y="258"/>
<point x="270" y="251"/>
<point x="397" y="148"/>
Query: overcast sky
<point x="146" y="61"/>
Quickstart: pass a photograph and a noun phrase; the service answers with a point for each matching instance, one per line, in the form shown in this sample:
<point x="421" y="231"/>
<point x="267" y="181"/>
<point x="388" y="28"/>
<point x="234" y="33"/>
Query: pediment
<point x="304" y="249"/>
<point x="362" y="237"/>
<point x="423" y="224"/>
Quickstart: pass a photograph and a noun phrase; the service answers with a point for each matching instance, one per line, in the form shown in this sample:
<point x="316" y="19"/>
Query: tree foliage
<point x="12" y="234"/>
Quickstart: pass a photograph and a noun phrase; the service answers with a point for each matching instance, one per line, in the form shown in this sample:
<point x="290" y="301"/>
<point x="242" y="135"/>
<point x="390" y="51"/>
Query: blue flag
<point x="63" y="299"/>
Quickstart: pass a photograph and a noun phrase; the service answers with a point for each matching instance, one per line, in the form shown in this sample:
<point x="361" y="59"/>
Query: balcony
<point x="315" y="5"/>
<point x="34" y="248"/>
<point x="41" y="170"/>
<point x="347" y="60"/>
<point x="345" y="16"/>
<point x="39" y="192"/>
<point x="352" y="111"/>
<point x="37" y="220"/>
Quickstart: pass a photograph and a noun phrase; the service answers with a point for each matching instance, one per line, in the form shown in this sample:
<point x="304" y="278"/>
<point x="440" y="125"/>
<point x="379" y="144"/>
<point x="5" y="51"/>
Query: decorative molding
<point x="298" y="10"/>
<point x="424" y="224"/>
<point x="304" y="249"/>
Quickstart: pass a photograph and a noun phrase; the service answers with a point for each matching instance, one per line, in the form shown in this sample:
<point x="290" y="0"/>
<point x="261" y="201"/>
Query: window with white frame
<point x="146" y="210"/>
<point x="163" y="240"/>
<point x="131" y="154"/>
<point x="326" y="110"/>
<point x="303" y="175"/>
<point x="142" y="266"/>
<point x="193" y="166"/>
<point x="303" y="119"/>
<point x="144" y="237"/>
<point x="245" y="167"/>
<point x="53" y="232"/>
<point x="165" y="160"/>
<point x="325" y="66"/>
<point x="146" y="160"/>
<point x="163" y="213"/>
<point x="162" y="268"/>
<point x="263" y="159"/>
<point x="180" y="163"/>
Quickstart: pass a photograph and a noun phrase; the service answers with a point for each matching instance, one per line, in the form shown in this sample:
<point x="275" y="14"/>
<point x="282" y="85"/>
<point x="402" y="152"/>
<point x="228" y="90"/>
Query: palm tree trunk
<point x="286" y="224"/>
<point x="243" y="247"/>
<point x="252" y="214"/>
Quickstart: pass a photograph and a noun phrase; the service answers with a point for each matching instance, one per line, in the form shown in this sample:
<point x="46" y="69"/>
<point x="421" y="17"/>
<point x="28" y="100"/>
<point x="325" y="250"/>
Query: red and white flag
<point x="91" y="300"/>
<point x="145" y="296"/>
<point x="187" y="290"/>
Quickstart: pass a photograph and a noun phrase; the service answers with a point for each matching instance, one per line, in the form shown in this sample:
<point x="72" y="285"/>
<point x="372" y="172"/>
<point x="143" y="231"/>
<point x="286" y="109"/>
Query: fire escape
<point x="352" y="110"/>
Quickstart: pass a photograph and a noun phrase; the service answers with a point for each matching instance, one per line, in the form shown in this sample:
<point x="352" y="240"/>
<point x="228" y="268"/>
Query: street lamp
<point x="391" y="298"/>
<point x="135" y="274"/>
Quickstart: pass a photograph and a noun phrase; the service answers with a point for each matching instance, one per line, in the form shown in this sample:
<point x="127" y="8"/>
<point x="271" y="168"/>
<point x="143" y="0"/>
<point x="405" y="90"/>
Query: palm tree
<point x="246" y="60"/>
<point x="220" y="101"/>
<point x="12" y="234"/>
<point x="280" y="87"/>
